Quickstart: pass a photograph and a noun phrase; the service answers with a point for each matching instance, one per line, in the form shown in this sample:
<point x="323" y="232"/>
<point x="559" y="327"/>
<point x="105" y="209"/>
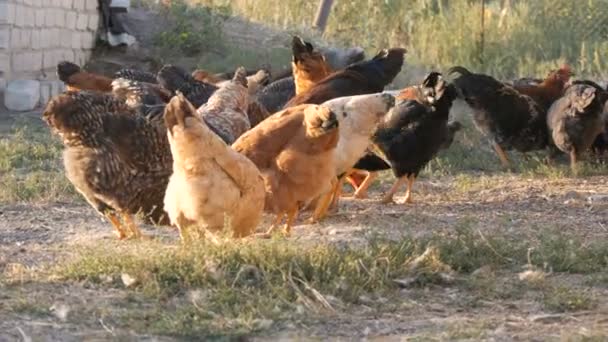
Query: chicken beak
<point x="330" y="122"/>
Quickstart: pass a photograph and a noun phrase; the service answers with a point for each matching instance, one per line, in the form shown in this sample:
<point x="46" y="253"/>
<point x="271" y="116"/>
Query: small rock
<point x="263" y="323"/>
<point x="22" y="95"/>
<point x="60" y="311"/>
<point x="128" y="280"/>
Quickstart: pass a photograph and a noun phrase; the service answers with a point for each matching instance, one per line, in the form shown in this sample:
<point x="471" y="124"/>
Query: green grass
<point x="242" y="287"/>
<point x="529" y="39"/>
<point x="30" y="167"/>
<point x="566" y="299"/>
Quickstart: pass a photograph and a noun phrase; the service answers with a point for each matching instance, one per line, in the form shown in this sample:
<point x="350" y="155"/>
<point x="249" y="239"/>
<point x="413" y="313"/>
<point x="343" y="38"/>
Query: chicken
<point x="174" y="79"/>
<point x="226" y="110"/>
<point x="290" y="148"/>
<point x="358" y="117"/>
<point x="146" y="98"/>
<point x="308" y="68"/>
<point x="362" y="78"/>
<point x="551" y="89"/>
<point x="414" y="131"/>
<point x="339" y="58"/>
<point x="119" y="161"/>
<point x="255" y="82"/>
<point x="577" y="119"/>
<point x="206" y="76"/>
<point x="211" y="183"/>
<point x="77" y="79"/>
<point x="136" y="75"/>
<point x="510" y="119"/>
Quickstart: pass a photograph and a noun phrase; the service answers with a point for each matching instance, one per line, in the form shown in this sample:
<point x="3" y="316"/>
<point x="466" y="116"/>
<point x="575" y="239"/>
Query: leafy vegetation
<point x="520" y="38"/>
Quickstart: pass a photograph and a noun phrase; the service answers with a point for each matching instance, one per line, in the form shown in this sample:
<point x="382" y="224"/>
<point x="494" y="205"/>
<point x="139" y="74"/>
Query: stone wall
<point x="37" y="34"/>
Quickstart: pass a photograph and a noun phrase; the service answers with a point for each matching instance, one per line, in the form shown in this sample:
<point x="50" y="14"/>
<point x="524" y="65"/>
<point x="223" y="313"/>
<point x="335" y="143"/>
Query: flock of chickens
<point x="204" y="152"/>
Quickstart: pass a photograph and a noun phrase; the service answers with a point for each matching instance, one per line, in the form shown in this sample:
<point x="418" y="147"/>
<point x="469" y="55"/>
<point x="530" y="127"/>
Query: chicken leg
<point x="573" y="162"/>
<point x="291" y="217"/>
<point x="132" y="226"/>
<point x="410" y="184"/>
<point x="325" y="201"/>
<point x="115" y="221"/>
<point x="361" y="192"/>
<point x="504" y="160"/>
<point x="388" y="197"/>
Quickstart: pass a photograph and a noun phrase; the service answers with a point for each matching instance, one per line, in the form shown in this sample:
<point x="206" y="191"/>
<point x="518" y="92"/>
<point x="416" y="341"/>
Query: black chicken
<point x="414" y="131"/>
<point x="176" y="79"/>
<point x="511" y="120"/>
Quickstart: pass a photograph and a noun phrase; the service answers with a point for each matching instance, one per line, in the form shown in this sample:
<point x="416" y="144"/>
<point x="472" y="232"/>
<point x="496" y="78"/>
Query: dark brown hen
<point x="118" y="160"/>
<point x="509" y="118"/>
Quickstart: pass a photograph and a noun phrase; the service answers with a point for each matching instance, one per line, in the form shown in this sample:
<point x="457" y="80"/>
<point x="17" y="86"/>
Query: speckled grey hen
<point x="226" y="109"/>
<point x="118" y="160"/>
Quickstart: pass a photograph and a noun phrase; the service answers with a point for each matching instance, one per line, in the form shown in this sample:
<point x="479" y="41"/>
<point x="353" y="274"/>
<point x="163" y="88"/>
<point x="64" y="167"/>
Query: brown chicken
<point x="77" y="79"/>
<point x="290" y="149"/>
<point x="357" y="79"/>
<point x="118" y="160"/>
<point x="226" y="109"/>
<point x="550" y="90"/>
<point x="308" y="66"/>
<point x="211" y="183"/>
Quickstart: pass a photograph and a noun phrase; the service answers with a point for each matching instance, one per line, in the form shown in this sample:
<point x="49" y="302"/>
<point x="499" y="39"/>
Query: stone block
<point x="45" y="38"/>
<point x="35" y="44"/>
<point x="5" y="64"/>
<point x="25" y="38"/>
<point x="22" y="95"/>
<point x="4" y="12"/>
<point x="91" y="5"/>
<point x="67" y="55"/>
<point x="29" y="16"/>
<point x="82" y="21"/>
<point x="59" y="17"/>
<point x="56" y="37"/>
<point x="79" y="5"/>
<point x="70" y="20"/>
<point x="93" y="21"/>
<point x="49" y="60"/>
<point x="20" y="15"/>
<point x="40" y="12"/>
<point x="15" y="38"/>
<point x="5" y="37"/>
<point x="35" y="60"/>
<point x="76" y="42"/>
<point x="49" y="17"/>
<point x="87" y="40"/>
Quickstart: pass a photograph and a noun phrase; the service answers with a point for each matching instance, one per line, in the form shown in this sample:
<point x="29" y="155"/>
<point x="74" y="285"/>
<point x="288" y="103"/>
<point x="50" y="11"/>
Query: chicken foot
<point x="502" y="155"/>
<point x="115" y="221"/>
<point x="361" y="192"/>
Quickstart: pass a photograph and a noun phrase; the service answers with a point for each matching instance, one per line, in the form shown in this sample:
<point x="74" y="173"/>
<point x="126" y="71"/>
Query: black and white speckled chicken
<point x="118" y="160"/>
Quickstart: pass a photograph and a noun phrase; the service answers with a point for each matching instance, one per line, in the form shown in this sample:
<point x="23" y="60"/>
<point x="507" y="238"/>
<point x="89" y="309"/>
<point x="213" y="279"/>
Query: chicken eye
<point x="344" y="114"/>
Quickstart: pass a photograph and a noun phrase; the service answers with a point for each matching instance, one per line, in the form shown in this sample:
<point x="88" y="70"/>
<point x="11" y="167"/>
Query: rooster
<point x="509" y="118"/>
<point x="358" y="79"/>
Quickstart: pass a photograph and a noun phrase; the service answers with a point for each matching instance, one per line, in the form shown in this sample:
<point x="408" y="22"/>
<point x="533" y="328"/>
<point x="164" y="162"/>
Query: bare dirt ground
<point x="36" y="235"/>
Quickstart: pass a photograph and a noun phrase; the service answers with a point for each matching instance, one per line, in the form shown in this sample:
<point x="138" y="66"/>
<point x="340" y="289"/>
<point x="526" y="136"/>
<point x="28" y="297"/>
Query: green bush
<point x="193" y="29"/>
